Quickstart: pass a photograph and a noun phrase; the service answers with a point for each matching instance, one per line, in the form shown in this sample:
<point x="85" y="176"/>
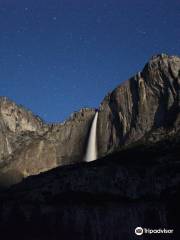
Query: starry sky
<point x="57" y="56"/>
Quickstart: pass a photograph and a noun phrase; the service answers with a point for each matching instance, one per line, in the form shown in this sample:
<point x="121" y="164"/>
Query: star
<point x="141" y="31"/>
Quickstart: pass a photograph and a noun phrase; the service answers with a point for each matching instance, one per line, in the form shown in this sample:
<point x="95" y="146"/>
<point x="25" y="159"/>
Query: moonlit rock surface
<point x="91" y="153"/>
<point x="29" y="146"/>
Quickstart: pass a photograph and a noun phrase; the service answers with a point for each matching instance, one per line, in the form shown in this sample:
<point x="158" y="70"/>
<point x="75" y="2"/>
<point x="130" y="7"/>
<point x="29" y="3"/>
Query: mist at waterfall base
<point x="91" y="152"/>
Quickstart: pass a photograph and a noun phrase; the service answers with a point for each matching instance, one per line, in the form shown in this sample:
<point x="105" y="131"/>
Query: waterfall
<point x="91" y="152"/>
<point x="8" y="146"/>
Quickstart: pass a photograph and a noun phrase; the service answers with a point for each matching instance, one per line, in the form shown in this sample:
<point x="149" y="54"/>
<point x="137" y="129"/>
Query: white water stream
<point x="91" y="153"/>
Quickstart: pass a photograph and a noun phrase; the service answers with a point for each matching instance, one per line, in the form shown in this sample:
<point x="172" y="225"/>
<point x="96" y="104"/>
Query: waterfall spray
<point x="91" y="153"/>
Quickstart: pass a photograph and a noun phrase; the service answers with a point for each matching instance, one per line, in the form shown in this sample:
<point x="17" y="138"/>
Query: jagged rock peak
<point x="16" y="118"/>
<point x="162" y="56"/>
<point x="164" y="64"/>
<point x="81" y="113"/>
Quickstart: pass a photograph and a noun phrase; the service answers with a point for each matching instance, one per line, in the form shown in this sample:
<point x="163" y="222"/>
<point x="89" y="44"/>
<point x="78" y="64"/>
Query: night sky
<point x="57" y="56"/>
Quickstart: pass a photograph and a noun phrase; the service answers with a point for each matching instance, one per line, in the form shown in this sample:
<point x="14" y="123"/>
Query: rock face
<point x="146" y="106"/>
<point x="28" y="146"/>
<point x="146" y="103"/>
<point x="14" y="120"/>
<point x="105" y="199"/>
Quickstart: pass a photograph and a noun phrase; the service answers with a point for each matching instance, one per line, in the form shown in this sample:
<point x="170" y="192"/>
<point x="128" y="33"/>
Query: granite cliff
<point x="145" y="107"/>
<point x="148" y="104"/>
<point x="28" y="146"/>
